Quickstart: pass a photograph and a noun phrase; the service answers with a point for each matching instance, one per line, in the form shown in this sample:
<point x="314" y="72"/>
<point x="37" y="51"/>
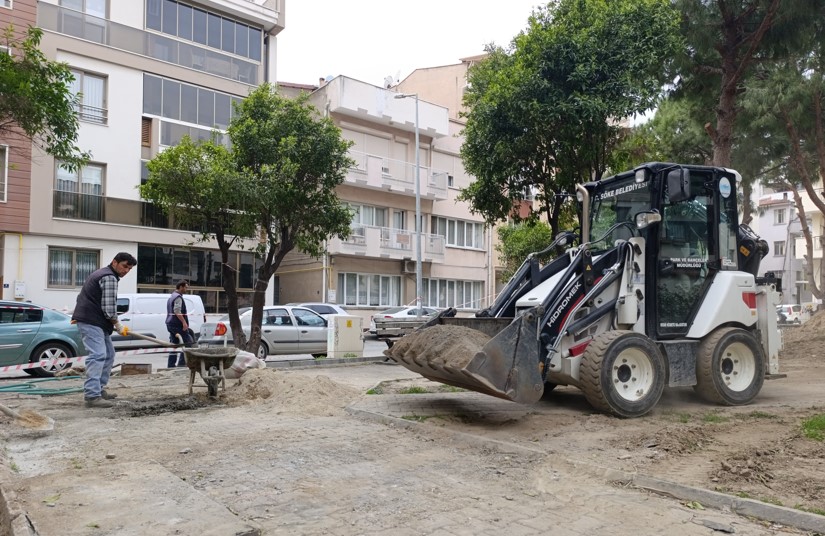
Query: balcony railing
<point x="385" y="242"/>
<point x="396" y="176"/>
<point x="98" y="208"/>
<point x="93" y="114"/>
<point x="95" y="29"/>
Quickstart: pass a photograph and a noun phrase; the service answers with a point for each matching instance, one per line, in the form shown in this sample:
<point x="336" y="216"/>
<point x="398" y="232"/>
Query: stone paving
<point x="371" y="471"/>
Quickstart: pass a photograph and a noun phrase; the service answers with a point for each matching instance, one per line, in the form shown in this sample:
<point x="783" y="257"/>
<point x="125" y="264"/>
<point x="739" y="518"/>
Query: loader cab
<point x="695" y="238"/>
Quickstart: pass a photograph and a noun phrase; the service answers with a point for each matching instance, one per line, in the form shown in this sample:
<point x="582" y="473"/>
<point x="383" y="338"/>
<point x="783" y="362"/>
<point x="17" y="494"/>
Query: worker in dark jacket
<point x="177" y="323"/>
<point x="96" y="318"/>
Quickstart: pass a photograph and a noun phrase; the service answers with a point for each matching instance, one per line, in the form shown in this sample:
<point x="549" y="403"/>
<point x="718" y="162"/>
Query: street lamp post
<point x="418" y="279"/>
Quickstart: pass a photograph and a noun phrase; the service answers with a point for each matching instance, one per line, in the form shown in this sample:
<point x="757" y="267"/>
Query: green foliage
<point x="672" y="135"/>
<point x="518" y="241"/>
<point x="295" y="160"/>
<point x="199" y="185"/>
<point x="413" y="390"/>
<point x="35" y="97"/>
<point x="542" y="115"/>
<point x="271" y="192"/>
<point x="814" y="427"/>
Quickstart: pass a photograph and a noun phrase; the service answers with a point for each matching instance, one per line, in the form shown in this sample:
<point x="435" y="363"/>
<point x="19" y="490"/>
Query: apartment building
<point x="779" y="225"/>
<point x="150" y="72"/>
<point x="376" y="266"/>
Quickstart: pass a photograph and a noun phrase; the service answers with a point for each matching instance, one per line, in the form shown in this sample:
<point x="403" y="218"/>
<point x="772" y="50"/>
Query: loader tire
<point x="730" y="367"/>
<point x="623" y="373"/>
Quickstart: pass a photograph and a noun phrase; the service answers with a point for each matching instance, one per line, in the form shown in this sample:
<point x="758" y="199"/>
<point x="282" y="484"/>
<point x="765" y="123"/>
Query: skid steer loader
<point x="661" y="290"/>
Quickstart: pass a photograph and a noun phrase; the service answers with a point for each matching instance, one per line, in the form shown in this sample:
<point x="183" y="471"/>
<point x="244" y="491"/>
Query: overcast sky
<point x="371" y="39"/>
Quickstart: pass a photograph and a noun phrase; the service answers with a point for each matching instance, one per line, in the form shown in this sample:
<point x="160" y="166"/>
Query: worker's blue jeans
<point x="188" y="340"/>
<point x="100" y="360"/>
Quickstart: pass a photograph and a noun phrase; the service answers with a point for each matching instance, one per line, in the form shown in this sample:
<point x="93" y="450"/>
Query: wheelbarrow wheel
<point x="212" y="386"/>
<point x="212" y="381"/>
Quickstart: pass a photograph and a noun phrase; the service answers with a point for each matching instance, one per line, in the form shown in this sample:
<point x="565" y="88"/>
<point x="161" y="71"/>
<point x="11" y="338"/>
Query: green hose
<point x="30" y="387"/>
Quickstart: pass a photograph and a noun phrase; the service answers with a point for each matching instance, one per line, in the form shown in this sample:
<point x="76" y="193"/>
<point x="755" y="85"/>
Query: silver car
<point x="284" y="330"/>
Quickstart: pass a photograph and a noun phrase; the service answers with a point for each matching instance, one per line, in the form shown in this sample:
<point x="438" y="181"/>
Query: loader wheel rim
<point x="632" y="375"/>
<point x="737" y="367"/>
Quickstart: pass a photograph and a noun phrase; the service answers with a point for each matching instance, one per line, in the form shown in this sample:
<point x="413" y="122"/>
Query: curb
<point x="324" y="362"/>
<point x="744" y="507"/>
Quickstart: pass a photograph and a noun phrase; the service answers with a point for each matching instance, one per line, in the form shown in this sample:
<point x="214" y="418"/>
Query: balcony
<point x="395" y="176"/>
<point x="74" y="206"/>
<point x="387" y="243"/>
<point x="77" y="24"/>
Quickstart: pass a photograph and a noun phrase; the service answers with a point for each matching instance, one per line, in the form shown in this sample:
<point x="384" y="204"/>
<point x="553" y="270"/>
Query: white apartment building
<point x="376" y="266"/>
<point x="150" y="72"/>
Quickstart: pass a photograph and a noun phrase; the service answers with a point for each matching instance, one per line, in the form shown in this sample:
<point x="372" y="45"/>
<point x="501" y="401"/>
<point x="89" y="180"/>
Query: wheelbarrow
<point x="211" y="363"/>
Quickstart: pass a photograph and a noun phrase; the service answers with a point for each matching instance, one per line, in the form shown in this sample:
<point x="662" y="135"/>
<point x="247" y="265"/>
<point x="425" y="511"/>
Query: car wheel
<point x="263" y="351"/>
<point x="51" y="352"/>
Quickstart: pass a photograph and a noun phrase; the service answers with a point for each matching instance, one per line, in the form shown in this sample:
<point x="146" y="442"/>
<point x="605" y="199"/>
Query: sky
<point x="369" y="40"/>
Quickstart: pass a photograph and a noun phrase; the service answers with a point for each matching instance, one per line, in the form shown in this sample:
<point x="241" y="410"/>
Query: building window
<point x="91" y="92"/>
<point x="459" y="233"/>
<point x="185" y="105"/>
<point x="96" y="8"/>
<point x="199" y="26"/>
<point x="450" y="181"/>
<point x="779" y="216"/>
<point x="370" y="290"/>
<point x="69" y="268"/>
<point x="453" y="293"/>
<point x="79" y="194"/>
<point x="779" y="249"/>
<point x="5" y="3"/>
<point x="368" y="215"/>
<point x="4" y="172"/>
<point x="160" y="267"/>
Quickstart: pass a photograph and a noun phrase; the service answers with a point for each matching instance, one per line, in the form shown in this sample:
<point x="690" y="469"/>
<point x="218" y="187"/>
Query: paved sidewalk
<point x="262" y="470"/>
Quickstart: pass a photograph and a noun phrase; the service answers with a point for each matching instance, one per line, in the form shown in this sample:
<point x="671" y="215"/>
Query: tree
<point x="727" y="40"/>
<point x="35" y="98"/>
<point x="543" y="114"/>
<point x="516" y="242"/>
<point x="273" y="191"/>
<point x="790" y="99"/>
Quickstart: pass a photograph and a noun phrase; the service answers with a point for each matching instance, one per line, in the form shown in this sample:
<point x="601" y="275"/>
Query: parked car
<point x="326" y="310"/>
<point x="285" y="329"/>
<point x="30" y="333"/>
<point x="407" y="313"/>
<point x="789" y="313"/>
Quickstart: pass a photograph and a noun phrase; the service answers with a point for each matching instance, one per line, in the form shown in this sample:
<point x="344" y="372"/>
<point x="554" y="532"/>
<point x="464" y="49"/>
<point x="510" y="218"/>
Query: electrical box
<point x="19" y="289"/>
<point x="345" y="338"/>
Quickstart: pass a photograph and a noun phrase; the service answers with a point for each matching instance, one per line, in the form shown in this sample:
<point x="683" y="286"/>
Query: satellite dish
<point x="388" y="82"/>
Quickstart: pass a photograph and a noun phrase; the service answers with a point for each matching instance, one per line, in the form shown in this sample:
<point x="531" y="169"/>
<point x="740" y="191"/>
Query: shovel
<point x="152" y="339"/>
<point x="29" y="419"/>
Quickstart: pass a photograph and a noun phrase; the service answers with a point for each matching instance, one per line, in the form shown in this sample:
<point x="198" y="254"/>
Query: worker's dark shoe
<point x="106" y="395"/>
<point x="98" y="402"/>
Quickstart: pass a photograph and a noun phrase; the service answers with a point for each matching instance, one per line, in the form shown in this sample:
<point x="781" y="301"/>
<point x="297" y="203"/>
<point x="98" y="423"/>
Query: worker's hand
<point x="121" y="329"/>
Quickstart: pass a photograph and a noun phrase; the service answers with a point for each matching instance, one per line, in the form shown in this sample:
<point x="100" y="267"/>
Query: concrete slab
<point x="134" y="499"/>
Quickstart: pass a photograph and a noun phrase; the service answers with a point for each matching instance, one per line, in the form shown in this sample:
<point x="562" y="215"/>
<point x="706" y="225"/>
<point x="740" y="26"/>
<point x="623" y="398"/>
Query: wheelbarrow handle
<point x="154" y="340"/>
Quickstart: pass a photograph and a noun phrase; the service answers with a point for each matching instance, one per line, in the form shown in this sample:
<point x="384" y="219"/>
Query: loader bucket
<point x="495" y="356"/>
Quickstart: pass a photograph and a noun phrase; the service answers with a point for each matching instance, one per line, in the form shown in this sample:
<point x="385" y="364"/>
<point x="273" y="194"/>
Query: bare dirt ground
<point x="756" y="451"/>
<point x="285" y="439"/>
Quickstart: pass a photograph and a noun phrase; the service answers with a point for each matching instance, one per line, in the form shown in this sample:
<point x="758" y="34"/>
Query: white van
<point x="146" y="314"/>
<point x="789" y="313"/>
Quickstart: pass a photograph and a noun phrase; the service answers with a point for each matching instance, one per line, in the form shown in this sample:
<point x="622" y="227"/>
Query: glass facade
<point x="200" y="26"/>
<point x="160" y="267"/>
